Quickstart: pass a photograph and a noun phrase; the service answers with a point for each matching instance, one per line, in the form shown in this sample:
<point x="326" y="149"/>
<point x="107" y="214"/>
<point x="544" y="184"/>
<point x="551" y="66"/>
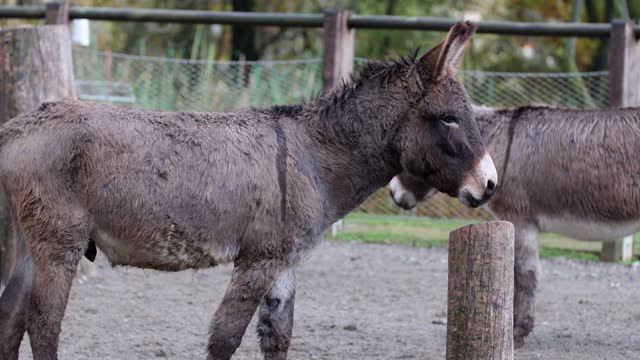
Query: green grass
<point x="425" y="232"/>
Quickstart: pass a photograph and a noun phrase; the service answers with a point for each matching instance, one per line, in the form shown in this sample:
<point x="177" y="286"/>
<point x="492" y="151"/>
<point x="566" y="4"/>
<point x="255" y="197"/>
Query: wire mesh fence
<point x="196" y="85"/>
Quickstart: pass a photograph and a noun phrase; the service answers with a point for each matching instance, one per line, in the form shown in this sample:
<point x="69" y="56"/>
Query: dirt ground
<point x="354" y="301"/>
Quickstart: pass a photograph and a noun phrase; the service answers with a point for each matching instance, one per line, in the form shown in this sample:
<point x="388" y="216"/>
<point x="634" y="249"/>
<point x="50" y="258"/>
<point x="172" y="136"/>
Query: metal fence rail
<point x="196" y="85"/>
<point x="313" y="20"/>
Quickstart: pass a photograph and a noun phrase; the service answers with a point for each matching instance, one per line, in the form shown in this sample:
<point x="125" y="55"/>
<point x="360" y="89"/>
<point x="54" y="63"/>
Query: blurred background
<point x="170" y="66"/>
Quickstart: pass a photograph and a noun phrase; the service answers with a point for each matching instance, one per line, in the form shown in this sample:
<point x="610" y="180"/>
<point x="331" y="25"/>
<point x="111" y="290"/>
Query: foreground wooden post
<point x="624" y="76"/>
<point x="339" y="48"/>
<point x="35" y="66"/>
<point x="480" y="298"/>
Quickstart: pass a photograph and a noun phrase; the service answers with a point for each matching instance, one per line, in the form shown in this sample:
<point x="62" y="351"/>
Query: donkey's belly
<point x="584" y="229"/>
<point x="162" y="253"/>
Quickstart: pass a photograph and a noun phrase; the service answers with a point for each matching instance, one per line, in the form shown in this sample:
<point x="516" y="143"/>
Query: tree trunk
<point x="480" y="299"/>
<point x="35" y="66"/>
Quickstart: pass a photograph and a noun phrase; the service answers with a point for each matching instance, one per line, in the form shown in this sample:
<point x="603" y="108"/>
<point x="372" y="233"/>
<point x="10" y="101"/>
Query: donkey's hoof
<point x="520" y="332"/>
<point x="518" y="342"/>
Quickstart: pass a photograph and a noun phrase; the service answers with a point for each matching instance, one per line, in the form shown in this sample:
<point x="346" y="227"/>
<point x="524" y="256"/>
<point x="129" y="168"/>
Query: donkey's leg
<point x="275" y="317"/>
<point x="13" y="305"/>
<point x="15" y="298"/>
<point x="57" y="242"/>
<point x="249" y="283"/>
<point x="527" y="269"/>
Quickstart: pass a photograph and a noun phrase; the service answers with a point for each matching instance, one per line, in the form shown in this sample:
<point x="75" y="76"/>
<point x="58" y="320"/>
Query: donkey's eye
<point x="449" y="120"/>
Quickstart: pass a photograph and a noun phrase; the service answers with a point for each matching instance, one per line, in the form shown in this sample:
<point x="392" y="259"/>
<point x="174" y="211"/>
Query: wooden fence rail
<point x="314" y="20"/>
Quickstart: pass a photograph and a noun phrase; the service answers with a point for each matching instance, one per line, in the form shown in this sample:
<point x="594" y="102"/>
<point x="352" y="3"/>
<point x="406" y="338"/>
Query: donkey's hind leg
<point x="527" y="269"/>
<point x="249" y="283"/>
<point x="57" y="242"/>
<point x="13" y="304"/>
<point x="275" y="317"/>
<point x="15" y="297"/>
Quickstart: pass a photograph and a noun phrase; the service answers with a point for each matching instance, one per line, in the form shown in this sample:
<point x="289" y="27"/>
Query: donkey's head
<point x="439" y="141"/>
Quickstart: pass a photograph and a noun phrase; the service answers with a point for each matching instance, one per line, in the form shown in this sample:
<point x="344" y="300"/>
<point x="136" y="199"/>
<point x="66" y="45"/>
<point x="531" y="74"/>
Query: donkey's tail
<point x="18" y="285"/>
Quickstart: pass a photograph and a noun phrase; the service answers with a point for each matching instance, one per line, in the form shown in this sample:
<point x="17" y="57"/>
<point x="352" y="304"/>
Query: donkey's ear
<point x="442" y="60"/>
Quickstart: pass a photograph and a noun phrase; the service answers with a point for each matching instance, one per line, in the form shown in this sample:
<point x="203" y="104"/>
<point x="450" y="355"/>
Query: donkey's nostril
<point x="491" y="187"/>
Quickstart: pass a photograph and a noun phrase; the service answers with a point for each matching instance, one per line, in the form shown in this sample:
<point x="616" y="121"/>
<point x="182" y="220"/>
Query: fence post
<point x="624" y="66"/>
<point x="57" y="13"/>
<point x="35" y="66"/>
<point x="339" y="41"/>
<point x="480" y="296"/>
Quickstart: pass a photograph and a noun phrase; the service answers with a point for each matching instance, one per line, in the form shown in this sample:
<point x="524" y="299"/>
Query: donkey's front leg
<point x="275" y="317"/>
<point x="249" y="283"/>
<point x="527" y="269"/>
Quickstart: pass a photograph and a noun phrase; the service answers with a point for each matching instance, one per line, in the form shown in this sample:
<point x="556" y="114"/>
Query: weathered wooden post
<point x="35" y="66"/>
<point x="57" y="13"/>
<point x="337" y="58"/>
<point x="480" y="298"/>
<point x="339" y="49"/>
<point x="624" y="77"/>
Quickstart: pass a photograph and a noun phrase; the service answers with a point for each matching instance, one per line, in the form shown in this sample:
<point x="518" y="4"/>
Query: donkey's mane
<point x="384" y="69"/>
<point x="371" y="69"/>
<point x="381" y="71"/>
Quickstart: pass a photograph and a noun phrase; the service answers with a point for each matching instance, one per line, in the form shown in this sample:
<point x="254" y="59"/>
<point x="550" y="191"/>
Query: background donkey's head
<point x="439" y="141"/>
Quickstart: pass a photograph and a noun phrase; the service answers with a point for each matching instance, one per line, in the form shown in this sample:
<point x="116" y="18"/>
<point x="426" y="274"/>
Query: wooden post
<point x="57" y="13"/>
<point x="480" y="299"/>
<point x="617" y="250"/>
<point x="339" y="40"/>
<point x="624" y="77"/>
<point x="35" y="66"/>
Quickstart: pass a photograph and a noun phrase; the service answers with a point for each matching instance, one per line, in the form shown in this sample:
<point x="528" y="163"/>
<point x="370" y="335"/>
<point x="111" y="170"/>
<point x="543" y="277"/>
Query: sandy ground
<point x="354" y="301"/>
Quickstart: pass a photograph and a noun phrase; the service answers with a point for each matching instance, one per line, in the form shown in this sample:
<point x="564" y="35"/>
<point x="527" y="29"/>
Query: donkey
<point x="566" y="171"/>
<point x="174" y="191"/>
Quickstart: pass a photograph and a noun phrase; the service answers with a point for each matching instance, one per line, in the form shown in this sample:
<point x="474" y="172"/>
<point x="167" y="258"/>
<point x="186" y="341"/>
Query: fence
<point x="178" y="84"/>
<point x="194" y="85"/>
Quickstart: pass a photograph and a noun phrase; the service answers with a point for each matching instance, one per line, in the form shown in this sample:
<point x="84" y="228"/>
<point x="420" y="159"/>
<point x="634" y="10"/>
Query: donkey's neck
<point x="355" y="134"/>
<point x="495" y="129"/>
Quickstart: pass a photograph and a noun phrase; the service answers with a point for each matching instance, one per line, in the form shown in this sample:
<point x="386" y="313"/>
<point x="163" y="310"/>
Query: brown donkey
<point x="175" y="191"/>
<point x="566" y="171"/>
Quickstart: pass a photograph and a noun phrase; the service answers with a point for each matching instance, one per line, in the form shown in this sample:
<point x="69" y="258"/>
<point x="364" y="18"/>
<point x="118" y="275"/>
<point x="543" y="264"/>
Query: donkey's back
<point x="574" y="172"/>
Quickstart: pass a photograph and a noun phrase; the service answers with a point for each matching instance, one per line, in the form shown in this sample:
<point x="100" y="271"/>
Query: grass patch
<point x="385" y="237"/>
<point x="426" y="232"/>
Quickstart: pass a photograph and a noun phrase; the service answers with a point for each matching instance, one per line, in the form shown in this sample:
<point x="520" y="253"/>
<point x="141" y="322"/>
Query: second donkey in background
<point x="566" y="171"/>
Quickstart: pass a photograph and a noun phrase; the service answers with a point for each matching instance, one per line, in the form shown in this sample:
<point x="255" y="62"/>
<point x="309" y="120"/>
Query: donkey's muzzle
<point x="401" y="196"/>
<point x="468" y="199"/>
<point x="481" y="183"/>
<point x="491" y="188"/>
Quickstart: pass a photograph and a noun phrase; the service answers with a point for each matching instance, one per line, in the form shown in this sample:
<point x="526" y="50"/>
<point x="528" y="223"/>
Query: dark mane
<point x="380" y="70"/>
<point x="371" y="70"/>
<point x="282" y="110"/>
<point x="385" y="69"/>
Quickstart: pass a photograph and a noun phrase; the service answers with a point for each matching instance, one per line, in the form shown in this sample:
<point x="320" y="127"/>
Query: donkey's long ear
<point x="442" y="60"/>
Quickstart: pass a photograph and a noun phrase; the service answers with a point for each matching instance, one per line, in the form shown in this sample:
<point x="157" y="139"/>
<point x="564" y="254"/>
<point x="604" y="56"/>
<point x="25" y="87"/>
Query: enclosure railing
<point x="312" y="20"/>
<point x="339" y="26"/>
